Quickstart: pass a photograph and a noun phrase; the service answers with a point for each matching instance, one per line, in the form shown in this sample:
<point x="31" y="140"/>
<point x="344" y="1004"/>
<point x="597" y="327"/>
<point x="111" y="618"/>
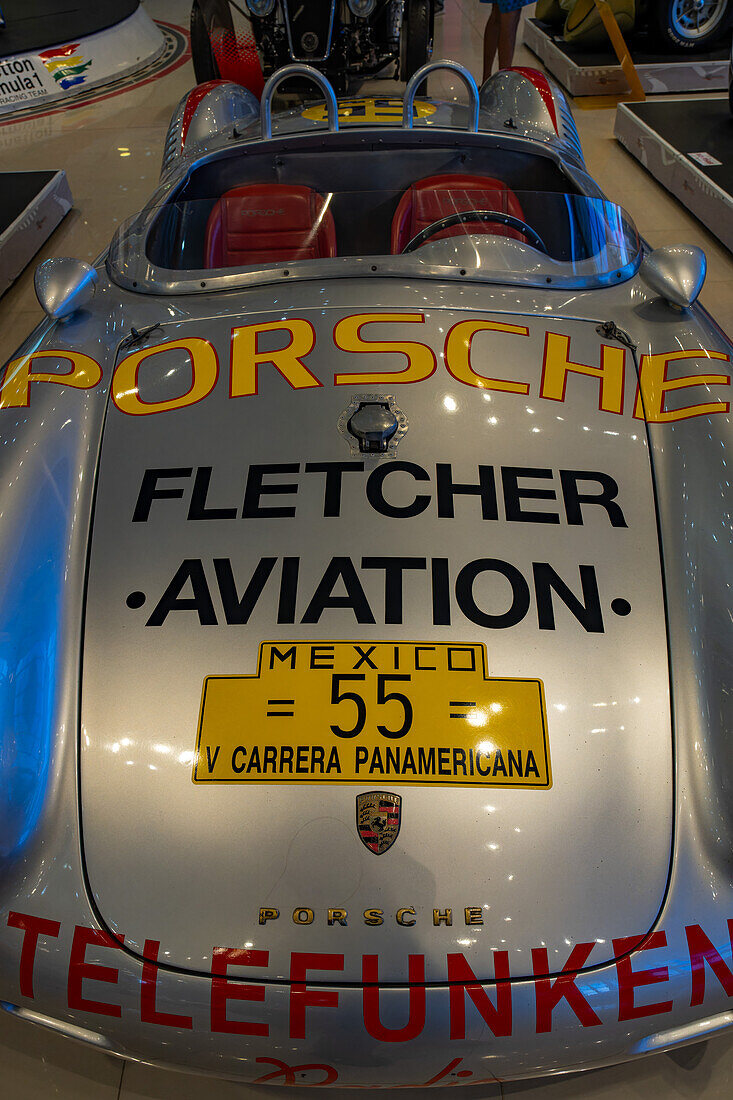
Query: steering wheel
<point x="461" y="217"/>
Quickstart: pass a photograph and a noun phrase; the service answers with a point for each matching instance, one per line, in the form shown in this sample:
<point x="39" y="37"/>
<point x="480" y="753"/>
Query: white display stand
<point x="50" y="75"/>
<point x="666" y="137"/>
<point x="605" y="77"/>
<point x="31" y="206"/>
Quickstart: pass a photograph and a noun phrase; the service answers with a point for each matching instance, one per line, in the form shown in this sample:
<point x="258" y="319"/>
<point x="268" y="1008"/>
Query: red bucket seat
<point x="264" y="223"/>
<point x="435" y="197"/>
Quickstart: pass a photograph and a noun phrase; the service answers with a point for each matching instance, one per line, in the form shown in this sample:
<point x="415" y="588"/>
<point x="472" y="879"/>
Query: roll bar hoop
<point x="417" y="78"/>
<point x="297" y="70"/>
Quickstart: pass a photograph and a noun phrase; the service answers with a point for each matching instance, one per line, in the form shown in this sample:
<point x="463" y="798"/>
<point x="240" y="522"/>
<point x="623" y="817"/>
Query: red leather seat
<point x="435" y="197"/>
<point x="262" y="223"/>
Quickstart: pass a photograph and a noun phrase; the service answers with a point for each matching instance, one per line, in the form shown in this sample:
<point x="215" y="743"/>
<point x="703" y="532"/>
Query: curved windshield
<point x="448" y="227"/>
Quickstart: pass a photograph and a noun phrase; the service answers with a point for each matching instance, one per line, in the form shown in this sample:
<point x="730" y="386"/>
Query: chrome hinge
<point x="611" y="331"/>
<point x="136" y="335"/>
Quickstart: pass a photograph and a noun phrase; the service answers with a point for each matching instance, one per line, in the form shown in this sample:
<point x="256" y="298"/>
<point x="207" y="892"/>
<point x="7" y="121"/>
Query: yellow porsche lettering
<point x="204" y="373"/>
<point x="85" y="373"/>
<point x="654" y="385"/>
<point x="282" y="346"/>
<point x="421" y="362"/>
<point x="557" y="364"/>
<point x="458" y="355"/>
<point x="248" y="355"/>
<point x="406" y="917"/>
<point x="303" y="915"/>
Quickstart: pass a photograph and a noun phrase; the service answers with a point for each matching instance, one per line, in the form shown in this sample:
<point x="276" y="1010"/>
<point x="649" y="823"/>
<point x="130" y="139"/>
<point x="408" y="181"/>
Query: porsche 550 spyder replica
<point x="366" y="614"/>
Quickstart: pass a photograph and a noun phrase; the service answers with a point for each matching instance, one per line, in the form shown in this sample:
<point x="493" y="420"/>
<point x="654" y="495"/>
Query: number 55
<point x="386" y="696"/>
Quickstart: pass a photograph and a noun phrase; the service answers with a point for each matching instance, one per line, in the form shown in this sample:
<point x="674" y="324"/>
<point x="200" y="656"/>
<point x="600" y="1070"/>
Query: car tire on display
<point x="204" y="62"/>
<point x="415" y="36"/>
<point x="689" y="25"/>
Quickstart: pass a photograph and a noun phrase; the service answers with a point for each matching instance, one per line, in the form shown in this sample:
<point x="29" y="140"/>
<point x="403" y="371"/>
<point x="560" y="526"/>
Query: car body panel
<point x="144" y="668"/>
<point x="425" y="1009"/>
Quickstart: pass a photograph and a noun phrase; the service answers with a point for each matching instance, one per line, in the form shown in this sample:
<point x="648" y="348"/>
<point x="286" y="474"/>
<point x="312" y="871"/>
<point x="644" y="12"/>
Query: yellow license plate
<point x="373" y="712"/>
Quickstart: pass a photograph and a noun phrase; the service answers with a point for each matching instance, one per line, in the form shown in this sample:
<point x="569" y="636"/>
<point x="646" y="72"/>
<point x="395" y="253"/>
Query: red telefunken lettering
<point x="629" y="980"/>
<point x="462" y="981"/>
<point x="702" y="951"/>
<point x="288" y="1073"/>
<point x="300" y="996"/>
<point x="148" y="1012"/>
<point x="223" y="991"/>
<point x="416" y="1004"/>
<point x="79" y="969"/>
<point x="549" y="993"/>
<point x="32" y="928"/>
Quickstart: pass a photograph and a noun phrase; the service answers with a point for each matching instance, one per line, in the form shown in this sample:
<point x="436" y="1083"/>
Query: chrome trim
<point x="417" y="78"/>
<point x="297" y="69"/>
<point x="158" y="280"/>
<point x="64" y="1027"/>
<point x="361" y="14"/>
<point x="691" y="1032"/>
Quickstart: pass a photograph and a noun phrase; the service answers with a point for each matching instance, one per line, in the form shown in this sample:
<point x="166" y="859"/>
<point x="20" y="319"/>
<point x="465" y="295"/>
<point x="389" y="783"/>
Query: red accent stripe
<point x="542" y="85"/>
<point x="195" y="96"/>
<point x="59" y="51"/>
<point x="237" y="59"/>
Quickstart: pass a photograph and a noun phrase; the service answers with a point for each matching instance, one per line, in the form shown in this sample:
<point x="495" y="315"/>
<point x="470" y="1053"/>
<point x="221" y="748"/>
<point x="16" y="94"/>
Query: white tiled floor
<point x="111" y="152"/>
<point x="35" y="1064"/>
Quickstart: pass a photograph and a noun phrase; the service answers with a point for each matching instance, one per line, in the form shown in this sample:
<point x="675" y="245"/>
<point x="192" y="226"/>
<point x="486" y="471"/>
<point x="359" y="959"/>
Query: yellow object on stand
<point x="637" y="93"/>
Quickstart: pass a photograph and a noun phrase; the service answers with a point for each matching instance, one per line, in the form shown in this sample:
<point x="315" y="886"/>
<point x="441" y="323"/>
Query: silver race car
<point x="366" y="609"/>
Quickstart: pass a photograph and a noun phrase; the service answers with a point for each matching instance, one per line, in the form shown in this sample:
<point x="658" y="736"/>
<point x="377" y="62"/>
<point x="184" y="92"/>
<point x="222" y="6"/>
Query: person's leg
<point x="508" y="25"/>
<point x="491" y="41"/>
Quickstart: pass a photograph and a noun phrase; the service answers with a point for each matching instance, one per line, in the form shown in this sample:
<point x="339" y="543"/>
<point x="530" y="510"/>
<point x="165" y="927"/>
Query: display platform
<point x="31" y="206"/>
<point x="589" y="73"/>
<point x="51" y="49"/>
<point x="36" y="24"/>
<point x="688" y="146"/>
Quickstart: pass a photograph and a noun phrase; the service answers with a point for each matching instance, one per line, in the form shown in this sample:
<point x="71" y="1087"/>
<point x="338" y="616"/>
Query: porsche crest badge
<point x="378" y="819"/>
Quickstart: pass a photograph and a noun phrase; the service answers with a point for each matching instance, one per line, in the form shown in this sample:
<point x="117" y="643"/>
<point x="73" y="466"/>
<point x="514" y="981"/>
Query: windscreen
<point x="492" y="231"/>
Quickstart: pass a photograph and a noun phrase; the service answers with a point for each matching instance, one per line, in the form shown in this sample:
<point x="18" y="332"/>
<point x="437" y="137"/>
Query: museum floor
<point x="111" y="151"/>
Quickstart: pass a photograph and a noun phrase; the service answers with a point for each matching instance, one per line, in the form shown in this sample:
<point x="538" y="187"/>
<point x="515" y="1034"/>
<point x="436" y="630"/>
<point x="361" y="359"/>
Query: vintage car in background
<point x="365" y="663"/>
<point x="347" y="40"/>
<point x="678" y="26"/>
